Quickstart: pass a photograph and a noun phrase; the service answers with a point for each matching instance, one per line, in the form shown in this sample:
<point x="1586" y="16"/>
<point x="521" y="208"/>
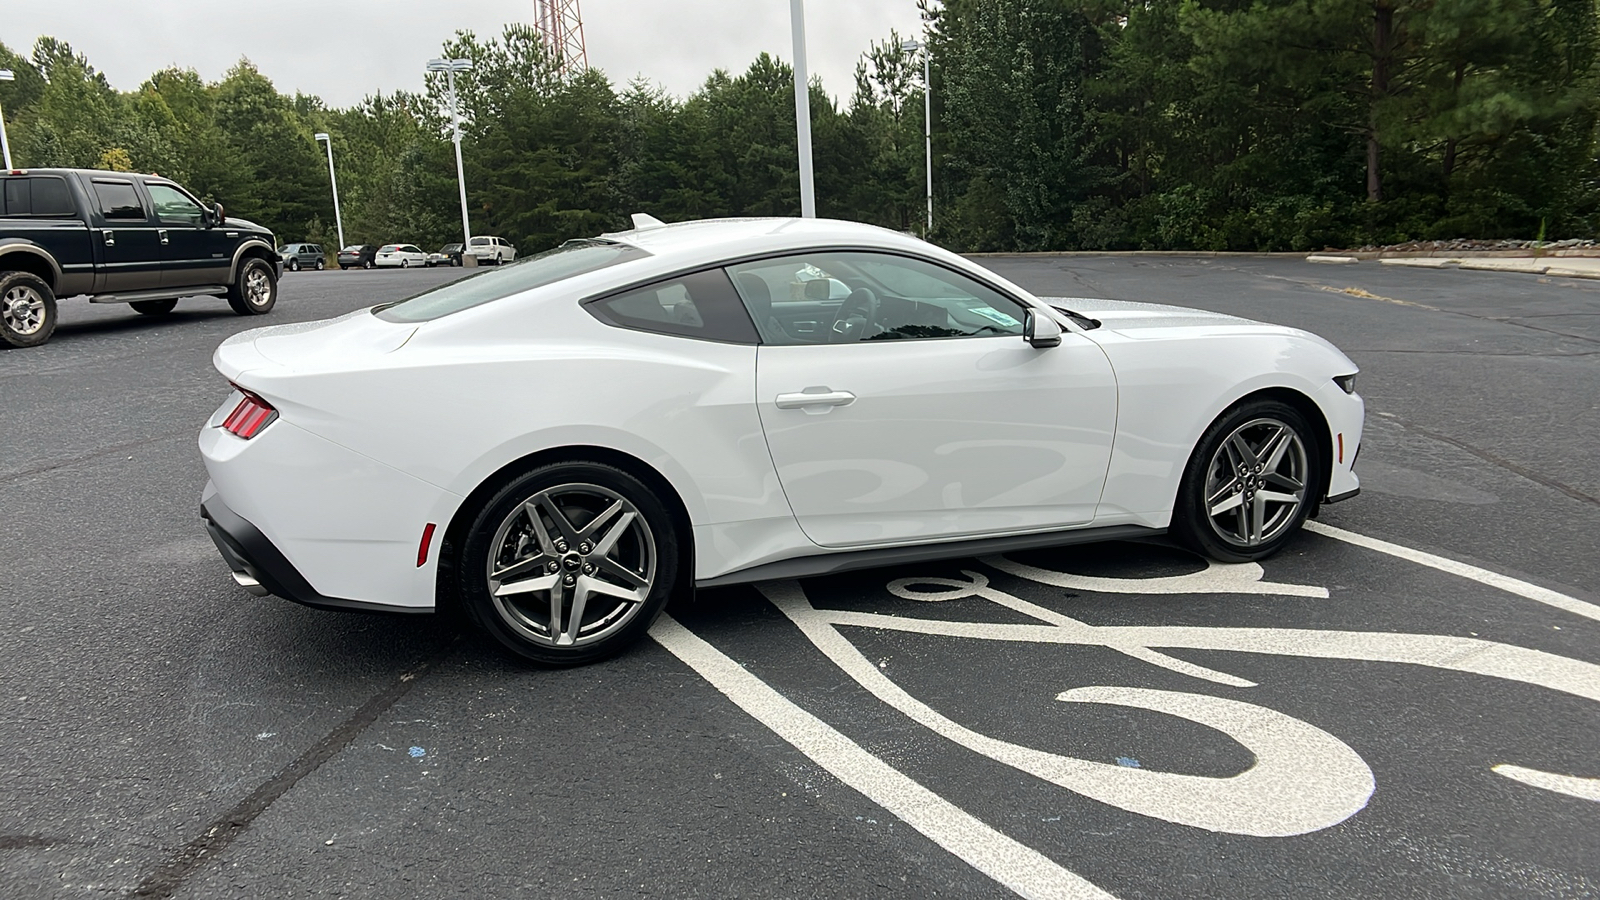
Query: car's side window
<point x="174" y="206"/>
<point x="700" y="305"/>
<point x="851" y="296"/>
<point x="39" y="195"/>
<point x="119" y="201"/>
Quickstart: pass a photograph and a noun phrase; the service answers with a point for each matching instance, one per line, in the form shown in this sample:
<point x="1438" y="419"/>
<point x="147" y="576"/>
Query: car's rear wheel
<point x="1249" y="484"/>
<point x="569" y="563"/>
<point x="255" y="291"/>
<point x="27" y="310"/>
<point x="153" y="307"/>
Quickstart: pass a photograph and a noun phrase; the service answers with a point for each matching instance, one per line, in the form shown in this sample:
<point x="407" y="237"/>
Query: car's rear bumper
<point x="261" y="568"/>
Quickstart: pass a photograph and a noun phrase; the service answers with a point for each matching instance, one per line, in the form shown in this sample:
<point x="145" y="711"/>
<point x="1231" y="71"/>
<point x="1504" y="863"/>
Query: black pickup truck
<point x="120" y="237"/>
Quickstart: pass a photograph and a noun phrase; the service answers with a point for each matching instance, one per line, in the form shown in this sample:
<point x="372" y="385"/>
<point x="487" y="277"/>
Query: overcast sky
<point x="342" y="51"/>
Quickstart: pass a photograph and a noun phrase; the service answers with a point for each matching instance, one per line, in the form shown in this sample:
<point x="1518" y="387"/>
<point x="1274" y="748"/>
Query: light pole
<point x="802" y="109"/>
<point x="927" y="120"/>
<point x="5" y="145"/>
<point x="338" y="221"/>
<point x="450" y="67"/>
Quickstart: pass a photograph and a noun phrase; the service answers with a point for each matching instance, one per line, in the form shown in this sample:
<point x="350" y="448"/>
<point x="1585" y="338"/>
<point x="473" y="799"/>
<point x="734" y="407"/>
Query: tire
<point x="320" y="265"/>
<point x="367" y="265"/>
<point x="405" y="263"/>
<point x="632" y="546"/>
<point x="27" y="310"/>
<point x="153" y="307"/>
<point x="255" y="291"/>
<point x="1262" y="454"/>
<point x="343" y="267"/>
<point x="294" y="265"/>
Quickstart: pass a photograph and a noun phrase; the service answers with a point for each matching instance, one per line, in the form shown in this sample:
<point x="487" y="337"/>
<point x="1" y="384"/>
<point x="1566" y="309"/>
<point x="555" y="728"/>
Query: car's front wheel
<point x="293" y="266"/>
<point x="255" y="291"/>
<point x="569" y="563"/>
<point x="1249" y="485"/>
<point x="320" y="265"/>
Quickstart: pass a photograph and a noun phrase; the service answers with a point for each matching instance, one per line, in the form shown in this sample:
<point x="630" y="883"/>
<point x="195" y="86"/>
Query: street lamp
<point x="5" y="145"/>
<point x="927" y="120"/>
<point x="802" y="108"/>
<point x="323" y="136"/>
<point x="450" y="67"/>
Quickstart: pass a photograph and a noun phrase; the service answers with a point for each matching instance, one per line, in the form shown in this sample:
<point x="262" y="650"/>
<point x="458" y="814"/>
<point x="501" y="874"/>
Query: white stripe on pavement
<point x="1571" y="785"/>
<point x="1482" y="576"/>
<point x="1018" y="867"/>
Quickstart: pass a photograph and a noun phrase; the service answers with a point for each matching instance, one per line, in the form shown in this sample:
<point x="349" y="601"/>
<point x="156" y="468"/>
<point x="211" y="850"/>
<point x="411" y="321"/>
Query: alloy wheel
<point x="571" y="565"/>
<point x="257" y="286"/>
<point x="22" y="310"/>
<point x="1256" y="483"/>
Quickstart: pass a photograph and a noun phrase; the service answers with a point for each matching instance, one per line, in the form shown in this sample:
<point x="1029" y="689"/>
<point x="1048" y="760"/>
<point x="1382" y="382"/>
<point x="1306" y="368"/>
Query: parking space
<point x="1402" y="704"/>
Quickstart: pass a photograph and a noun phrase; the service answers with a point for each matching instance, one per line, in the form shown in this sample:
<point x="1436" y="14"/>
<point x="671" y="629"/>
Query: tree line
<point x="1057" y="124"/>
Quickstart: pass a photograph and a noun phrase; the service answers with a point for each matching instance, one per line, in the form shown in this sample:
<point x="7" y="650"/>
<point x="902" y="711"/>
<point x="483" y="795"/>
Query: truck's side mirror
<point x="1040" y="330"/>
<point x="215" y="215"/>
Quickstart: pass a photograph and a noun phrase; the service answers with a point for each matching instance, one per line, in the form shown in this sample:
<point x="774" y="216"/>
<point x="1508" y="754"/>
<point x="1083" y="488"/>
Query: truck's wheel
<point x="27" y="310"/>
<point x="154" y="307"/>
<point x="255" y="290"/>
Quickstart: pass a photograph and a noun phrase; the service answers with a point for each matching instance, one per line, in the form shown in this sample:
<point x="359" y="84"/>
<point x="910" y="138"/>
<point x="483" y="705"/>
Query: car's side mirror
<point x="215" y="215"/>
<point x="1040" y="330"/>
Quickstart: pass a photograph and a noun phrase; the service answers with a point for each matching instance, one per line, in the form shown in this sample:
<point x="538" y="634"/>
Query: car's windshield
<point x="569" y="259"/>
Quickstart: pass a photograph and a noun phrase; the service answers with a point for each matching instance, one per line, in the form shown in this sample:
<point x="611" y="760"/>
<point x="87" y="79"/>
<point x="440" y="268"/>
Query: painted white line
<point x="1018" y="867"/>
<point x="1303" y="778"/>
<point x="1571" y="785"/>
<point x="1482" y="576"/>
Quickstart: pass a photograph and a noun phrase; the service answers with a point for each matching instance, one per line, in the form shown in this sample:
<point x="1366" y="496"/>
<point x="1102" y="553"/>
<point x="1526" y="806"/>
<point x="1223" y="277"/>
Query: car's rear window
<point x="568" y="260"/>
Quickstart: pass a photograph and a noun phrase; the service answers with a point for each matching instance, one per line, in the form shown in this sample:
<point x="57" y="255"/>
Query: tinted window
<point x="565" y="261"/>
<point x="702" y="305"/>
<point x="37" y="196"/>
<point x="173" y="205"/>
<point x="118" y="200"/>
<point x="844" y="297"/>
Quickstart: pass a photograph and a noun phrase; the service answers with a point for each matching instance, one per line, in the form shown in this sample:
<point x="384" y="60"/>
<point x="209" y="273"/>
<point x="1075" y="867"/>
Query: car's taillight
<point x="250" y="416"/>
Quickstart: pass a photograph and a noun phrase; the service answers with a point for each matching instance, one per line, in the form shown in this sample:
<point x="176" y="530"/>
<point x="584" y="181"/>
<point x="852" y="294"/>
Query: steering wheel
<point x="857" y="315"/>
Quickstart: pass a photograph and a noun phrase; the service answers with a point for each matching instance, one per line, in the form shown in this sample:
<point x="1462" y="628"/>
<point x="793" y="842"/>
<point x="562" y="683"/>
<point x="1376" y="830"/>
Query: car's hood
<point x="1126" y="315"/>
<point x="244" y="225"/>
<point x="313" y="346"/>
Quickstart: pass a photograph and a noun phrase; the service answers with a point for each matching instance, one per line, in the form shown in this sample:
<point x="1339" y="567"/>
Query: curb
<point x="1524" y="265"/>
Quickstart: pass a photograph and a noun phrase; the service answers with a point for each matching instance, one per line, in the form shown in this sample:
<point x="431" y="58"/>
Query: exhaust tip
<point x="249" y="583"/>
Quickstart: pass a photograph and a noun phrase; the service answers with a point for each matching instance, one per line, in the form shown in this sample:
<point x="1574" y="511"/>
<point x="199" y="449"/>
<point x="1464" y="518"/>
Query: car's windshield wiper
<point x="1081" y="320"/>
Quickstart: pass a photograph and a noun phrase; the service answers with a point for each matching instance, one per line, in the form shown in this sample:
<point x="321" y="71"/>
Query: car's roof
<point x="734" y="237"/>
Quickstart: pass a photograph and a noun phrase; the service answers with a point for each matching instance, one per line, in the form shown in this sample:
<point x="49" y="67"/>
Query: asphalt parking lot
<point x="1405" y="703"/>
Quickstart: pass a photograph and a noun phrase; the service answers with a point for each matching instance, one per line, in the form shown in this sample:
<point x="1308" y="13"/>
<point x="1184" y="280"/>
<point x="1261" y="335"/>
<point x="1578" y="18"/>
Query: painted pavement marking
<point x="1483" y="576"/>
<point x="1303" y="778"/>
<point x="1018" y="867"/>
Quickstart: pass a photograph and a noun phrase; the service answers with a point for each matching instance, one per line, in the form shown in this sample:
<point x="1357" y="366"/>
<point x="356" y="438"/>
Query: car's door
<point x="130" y="250"/>
<point x="920" y="412"/>
<point x="194" y="254"/>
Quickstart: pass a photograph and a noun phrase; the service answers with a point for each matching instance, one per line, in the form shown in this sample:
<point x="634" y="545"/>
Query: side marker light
<point x="422" y="548"/>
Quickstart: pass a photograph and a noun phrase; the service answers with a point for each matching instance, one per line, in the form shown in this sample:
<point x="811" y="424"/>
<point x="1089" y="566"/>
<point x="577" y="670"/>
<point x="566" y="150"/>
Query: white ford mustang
<point x="560" y="444"/>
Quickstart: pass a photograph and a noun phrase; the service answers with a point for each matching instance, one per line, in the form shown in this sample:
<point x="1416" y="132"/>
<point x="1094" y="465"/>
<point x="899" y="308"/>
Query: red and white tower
<point x="561" y="26"/>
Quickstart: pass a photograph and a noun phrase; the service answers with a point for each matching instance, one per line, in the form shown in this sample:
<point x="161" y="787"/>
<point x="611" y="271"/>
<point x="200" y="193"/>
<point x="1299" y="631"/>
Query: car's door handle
<point x="111" y="238"/>
<point x="163" y="233"/>
<point x="821" y="397"/>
